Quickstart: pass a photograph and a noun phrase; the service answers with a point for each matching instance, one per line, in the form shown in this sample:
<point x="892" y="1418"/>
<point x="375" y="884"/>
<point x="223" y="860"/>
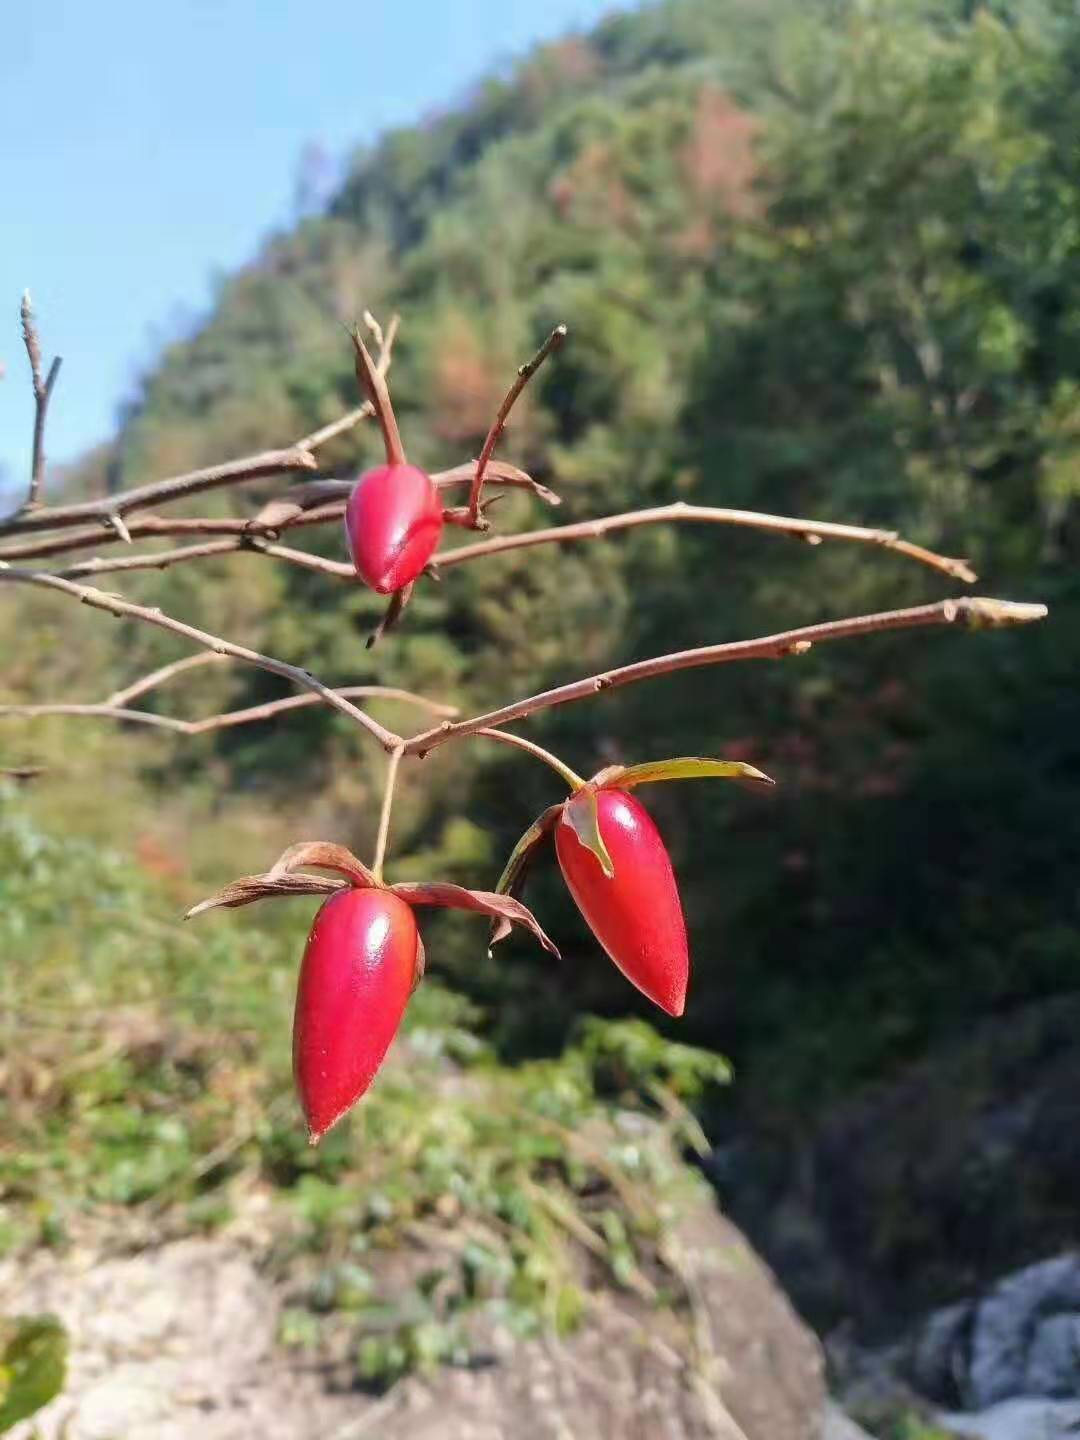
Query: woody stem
<point x="571" y="777"/>
<point x="387" y="805"/>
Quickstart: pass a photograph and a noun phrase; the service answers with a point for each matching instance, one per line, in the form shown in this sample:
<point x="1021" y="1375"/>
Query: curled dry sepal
<point x="363" y="959"/>
<point x="617" y="869"/>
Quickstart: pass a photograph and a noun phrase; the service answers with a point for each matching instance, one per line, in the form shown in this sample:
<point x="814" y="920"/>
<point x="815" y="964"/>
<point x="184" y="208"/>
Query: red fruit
<point x="636" y="913"/>
<point x="355" y="981"/>
<point x="393" y="521"/>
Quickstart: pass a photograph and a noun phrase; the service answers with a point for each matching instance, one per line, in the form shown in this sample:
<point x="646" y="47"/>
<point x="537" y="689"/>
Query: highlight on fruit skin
<point x="356" y="976"/>
<point x="618" y="871"/>
<point x="393" y="524"/>
<point x="634" y="911"/>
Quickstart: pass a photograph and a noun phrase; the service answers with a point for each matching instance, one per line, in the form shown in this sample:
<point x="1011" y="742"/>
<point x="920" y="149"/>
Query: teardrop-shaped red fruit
<point x="355" y="981"/>
<point x="393" y="521"/>
<point x="636" y="914"/>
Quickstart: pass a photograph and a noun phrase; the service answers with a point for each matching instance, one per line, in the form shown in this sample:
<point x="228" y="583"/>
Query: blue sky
<point x="149" y="146"/>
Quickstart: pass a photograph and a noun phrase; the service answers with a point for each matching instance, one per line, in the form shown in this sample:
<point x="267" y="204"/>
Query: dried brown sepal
<point x="503" y="909"/>
<point x="282" y="510"/>
<point x="498" y="472"/>
<point x="394" y="611"/>
<point x="250" y="888"/>
<point x="525" y="852"/>
<point x="373" y="386"/>
<point x="323" y="855"/>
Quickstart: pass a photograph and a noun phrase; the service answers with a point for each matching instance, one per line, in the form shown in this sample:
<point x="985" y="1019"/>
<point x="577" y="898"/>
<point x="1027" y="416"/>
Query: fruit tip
<point x="674" y="1007"/>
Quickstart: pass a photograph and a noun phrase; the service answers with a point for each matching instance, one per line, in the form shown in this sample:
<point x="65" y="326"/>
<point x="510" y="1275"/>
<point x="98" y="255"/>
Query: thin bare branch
<point x="116" y="605"/>
<point x="161" y="675"/>
<point x="42" y="395"/>
<point x="339" y="569"/>
<point x="970" y="612"/>
<point x="112" y="710"/>
<point x="812" y="530"/>
<point x="524" y="375"/>
<point x="317" y="502"/>
<point x="152" y="560"/>
<point x="88" y="711"/>
<point x="340" y="426"/>
<point x="253" y="467"/>
<point x="272" y="708"/>
<point x="154" y="525"/>
<point x="384" y="814"/>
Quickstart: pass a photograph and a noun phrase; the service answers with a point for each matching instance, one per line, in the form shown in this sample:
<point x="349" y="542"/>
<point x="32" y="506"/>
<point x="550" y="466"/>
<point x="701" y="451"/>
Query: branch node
<point x="116" y="522"/>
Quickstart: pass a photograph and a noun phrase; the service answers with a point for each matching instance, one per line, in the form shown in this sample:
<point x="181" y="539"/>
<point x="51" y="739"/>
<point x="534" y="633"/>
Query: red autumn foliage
<point x="590" y="190"/>
<point x="466" y="384"/>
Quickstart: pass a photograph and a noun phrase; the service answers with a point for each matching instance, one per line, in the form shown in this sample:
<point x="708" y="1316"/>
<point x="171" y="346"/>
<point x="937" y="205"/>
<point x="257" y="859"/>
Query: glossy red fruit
<point x="393" y="521"/>
<point x="636" y="914"/>
<point x="355" y="981"/>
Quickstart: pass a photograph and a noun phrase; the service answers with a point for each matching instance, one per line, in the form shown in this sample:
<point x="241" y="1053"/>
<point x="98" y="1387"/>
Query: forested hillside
<point x="815" y="258"/>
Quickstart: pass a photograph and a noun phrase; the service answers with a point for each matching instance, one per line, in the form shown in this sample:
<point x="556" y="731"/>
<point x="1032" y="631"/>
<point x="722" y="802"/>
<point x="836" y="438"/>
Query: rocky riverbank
<point x="185" y="1339"/>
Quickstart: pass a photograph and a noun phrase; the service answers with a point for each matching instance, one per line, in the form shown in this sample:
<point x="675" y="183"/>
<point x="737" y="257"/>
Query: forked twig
<point x="112" y="709"/>
<point x="116" y="605"/>
<point x="524" y="375"/>
<point x="165" y="672"/>
<point x="42" y="395"/>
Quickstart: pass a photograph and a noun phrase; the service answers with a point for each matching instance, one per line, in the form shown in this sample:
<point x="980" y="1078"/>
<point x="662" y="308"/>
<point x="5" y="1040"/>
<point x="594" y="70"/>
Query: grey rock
<point x="1018" y="1420"/>
<point x="937" y="1363"/>
<point x="1008" y="1323"/>
<point x="1053" y="1360"/>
